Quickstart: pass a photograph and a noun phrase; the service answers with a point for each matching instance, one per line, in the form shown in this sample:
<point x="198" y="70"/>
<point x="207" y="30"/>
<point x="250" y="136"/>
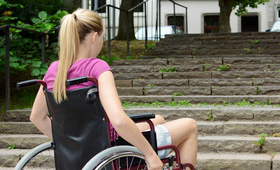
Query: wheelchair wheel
<point x="119" y="158"/>
<point x="41" y="157"/>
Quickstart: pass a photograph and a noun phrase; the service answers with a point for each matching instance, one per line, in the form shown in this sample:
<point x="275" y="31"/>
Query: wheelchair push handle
<point x="30" y="83"/>
<point x="68" y="82"/>
<point x="79" y="80"/>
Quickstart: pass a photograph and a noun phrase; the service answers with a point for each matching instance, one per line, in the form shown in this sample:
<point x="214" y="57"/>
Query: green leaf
<point x="2" y="2"/>
<point x="37" y="63"/>
<point x="262" y="141"/>
<point x="15" y="65"/>
<point x="12" y="147"/>
<point x="35" y="20"/>
<point x="43" y="15"/>
<point x="48" y="26"/>
<point x="257" y="143"/>
<point x="12" y="59"/>
<point x="35" y="72"/>
<point x="2" y="51"/>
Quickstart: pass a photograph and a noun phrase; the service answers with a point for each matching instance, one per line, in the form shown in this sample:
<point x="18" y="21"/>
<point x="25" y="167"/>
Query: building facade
<point x="199" y="16"/>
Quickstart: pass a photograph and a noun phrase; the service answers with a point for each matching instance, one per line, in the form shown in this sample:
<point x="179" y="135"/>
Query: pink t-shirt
<point x="92" y="67"/>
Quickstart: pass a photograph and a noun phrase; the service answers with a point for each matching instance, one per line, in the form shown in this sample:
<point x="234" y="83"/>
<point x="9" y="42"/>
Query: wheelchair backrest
<point x="79" y="127"/>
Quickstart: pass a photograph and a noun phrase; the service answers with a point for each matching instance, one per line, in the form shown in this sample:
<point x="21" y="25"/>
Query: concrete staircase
<point x="176" y="78"/>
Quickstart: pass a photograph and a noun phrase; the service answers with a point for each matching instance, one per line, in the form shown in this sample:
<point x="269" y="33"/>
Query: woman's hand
<point x="153" y="162"/>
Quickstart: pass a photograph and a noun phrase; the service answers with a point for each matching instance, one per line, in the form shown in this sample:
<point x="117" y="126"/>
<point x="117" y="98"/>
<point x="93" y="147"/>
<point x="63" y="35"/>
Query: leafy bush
<point x="26" y="47"/>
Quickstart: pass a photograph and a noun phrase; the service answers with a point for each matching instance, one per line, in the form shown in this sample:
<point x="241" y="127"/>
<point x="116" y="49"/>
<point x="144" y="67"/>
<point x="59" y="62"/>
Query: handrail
<point x="133" y="8"/>
<point x="26" y="29"/>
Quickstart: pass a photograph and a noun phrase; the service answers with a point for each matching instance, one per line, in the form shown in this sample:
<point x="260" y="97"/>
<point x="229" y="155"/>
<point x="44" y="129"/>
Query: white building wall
<point x="196" y="10"/>
<point x="199" y="8"/>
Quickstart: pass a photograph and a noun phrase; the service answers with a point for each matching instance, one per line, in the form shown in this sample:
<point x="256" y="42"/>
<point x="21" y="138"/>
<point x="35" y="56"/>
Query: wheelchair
<point x="83" y="140"/>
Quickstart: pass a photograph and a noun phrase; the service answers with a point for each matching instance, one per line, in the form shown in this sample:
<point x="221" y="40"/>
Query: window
<point x="179" y="21"/>
<point x="250" y="23"/>
<point x="211" y="24"/>
<point x="100" y="4"/>
<point x="278" y="13"/>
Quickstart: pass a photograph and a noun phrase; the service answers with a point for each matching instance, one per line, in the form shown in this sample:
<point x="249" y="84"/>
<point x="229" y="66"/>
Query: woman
<point x="80" y="40"/>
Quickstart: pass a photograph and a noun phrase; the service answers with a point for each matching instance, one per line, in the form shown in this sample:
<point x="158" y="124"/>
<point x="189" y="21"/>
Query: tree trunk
<point x="122" y="32"/>
<point x="225" y="11"/>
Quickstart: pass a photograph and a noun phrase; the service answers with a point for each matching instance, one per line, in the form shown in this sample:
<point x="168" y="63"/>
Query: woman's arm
<point x="39" y="114"/>
<point x="121" y="122"/>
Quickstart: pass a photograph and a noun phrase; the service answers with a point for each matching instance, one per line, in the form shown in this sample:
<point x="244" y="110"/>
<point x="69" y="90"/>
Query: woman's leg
<point x="156" y="121"/>
<point x="184" y="134"/>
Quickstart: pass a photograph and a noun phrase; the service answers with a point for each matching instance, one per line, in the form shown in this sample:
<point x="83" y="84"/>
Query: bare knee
<point x="191" y="124"/>
<point x="158" y="120"/>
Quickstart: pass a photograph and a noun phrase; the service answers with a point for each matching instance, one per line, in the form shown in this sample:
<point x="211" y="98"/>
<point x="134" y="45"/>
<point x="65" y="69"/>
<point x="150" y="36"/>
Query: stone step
<point x="199" y="82"/>
<point x="223" y="36"/>
<point x="212" y="51"/>
<point x="197" y="67"/>
<point x="239" y="60"/>
<point x="200" y="60"/>
<point x="205" y="143"/>
<point x="198" y="75"/>
<point x="18" y="128"/>
<point x="205" y="161"/>
<point x="193" y="75"/>
<point x="237" y="144"/>
<point x="219" y="113"/>
<point x="210" y="127"/>
<point x="195" y="99"/>
<point x="215" y="51"/>
<point x="22" y="141"/>
<point x="141" y="62"/>
<point x="10" y="157"/>
<point x="237" y="161"/>
<point x="242" y="45"/>
<point x="206" y="46"/>
<point x="201" y="112"/>
<point x="193" y="90"/>
<point x="173" y="56"/>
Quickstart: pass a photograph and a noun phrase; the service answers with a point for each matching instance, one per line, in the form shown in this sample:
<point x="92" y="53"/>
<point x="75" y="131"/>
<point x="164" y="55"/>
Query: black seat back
<point x="79" y="128"/>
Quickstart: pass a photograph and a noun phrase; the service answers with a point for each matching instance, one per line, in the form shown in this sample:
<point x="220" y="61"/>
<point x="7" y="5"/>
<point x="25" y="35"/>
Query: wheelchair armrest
<point x="141" y="116"/>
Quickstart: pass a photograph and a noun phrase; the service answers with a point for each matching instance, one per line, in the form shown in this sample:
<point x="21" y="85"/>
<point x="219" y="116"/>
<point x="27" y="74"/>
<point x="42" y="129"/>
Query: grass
<point x="184" y="103"/>
<point x="119" y="49"/>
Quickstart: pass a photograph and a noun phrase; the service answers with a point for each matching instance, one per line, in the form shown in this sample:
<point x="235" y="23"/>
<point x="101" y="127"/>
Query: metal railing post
<point x="114" y="20"/>
<point x="43" y="47"/>
<point x="127" y="25"/>
<point x="109" y="35"/>
<point x="7" y="68"/>
<point x="159" y="21"/>
<point x="146" y="32"/>
<point x="174" y="16"/>
<point x="187" y="21"/>
<point x="85" y="4"/>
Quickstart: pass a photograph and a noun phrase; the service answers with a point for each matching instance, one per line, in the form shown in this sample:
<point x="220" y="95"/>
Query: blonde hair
<point x="73" y="30"/>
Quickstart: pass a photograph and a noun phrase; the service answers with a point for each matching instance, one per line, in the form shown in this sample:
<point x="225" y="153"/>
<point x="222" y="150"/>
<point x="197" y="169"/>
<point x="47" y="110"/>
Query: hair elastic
<point x="75" y="16"/>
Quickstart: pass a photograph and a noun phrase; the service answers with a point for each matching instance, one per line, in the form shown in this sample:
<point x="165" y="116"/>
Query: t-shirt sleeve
<point x="50" y="75"/>
<point x="99" y="67"/>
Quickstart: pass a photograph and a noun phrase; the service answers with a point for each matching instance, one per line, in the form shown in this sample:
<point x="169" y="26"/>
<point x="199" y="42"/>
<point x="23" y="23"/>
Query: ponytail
<point x="73" y="30"/>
